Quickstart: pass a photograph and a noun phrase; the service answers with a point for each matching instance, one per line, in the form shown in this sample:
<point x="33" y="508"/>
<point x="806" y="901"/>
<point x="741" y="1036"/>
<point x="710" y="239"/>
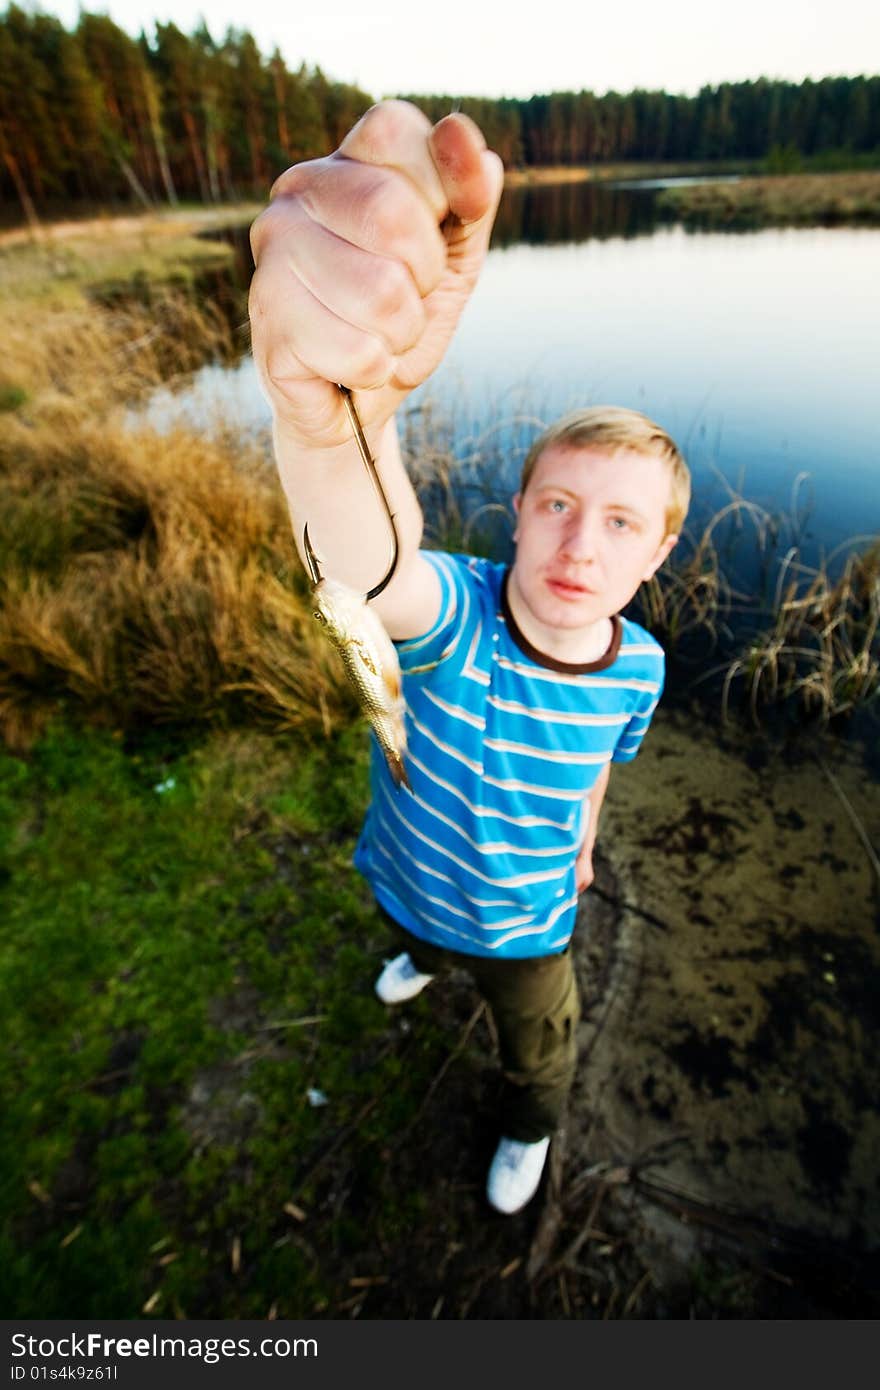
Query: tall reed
<point x="821" y="649"/>
<point x="145" y="578"/>
<point x="151" y="578"/>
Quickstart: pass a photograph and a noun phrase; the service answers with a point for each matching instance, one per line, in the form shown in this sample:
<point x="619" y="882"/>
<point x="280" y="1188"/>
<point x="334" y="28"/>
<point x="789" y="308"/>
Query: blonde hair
<point x="615" y="427"/>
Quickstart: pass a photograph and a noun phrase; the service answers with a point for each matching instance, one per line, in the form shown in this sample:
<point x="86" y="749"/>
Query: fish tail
<point x="397" y="769"/>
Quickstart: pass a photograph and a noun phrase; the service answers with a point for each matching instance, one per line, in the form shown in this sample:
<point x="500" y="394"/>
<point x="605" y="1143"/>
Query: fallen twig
<point x="344" y="1133"/>
<point x="634" y="1296"/>
<point x="456" y="1052"/>
<point x="847" y="806"/>
<point x="293" y="1022"/>
<point x="629" y="907"/>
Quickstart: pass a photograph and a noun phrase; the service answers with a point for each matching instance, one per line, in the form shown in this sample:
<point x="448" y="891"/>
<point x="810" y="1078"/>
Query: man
<point x="521" y="686"/>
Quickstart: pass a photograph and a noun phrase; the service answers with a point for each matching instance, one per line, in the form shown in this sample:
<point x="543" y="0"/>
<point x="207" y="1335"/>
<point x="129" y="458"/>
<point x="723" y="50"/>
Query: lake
<point x="758" y="351"/>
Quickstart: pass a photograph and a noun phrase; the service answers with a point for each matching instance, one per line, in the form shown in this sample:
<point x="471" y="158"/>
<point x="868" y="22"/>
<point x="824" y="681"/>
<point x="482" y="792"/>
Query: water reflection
<point x="554" y="214"/>
<point x="536" y="215"/>
<point x="757" y="351"/>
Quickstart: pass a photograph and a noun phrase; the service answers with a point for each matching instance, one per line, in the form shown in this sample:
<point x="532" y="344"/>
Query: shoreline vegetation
<point x="805" y="200"/>
<point x="95" y="249"/>
<point x="149" y="577"/>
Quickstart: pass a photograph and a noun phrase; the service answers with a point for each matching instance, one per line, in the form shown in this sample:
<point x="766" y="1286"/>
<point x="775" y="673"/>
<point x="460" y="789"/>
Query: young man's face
<point x="591" y="527"/>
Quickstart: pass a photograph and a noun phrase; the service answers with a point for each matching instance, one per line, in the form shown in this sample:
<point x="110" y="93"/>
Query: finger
<point x="374" y="208"/>
<point x="313" y="340"/>
<point x="395" y="135"/>
<point x="470" y="174"/>
<point x="374" y="293"/>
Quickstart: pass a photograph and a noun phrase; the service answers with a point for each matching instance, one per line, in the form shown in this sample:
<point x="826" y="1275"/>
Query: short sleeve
<point x="630" y="740"/>
<point x="442" y="649"/>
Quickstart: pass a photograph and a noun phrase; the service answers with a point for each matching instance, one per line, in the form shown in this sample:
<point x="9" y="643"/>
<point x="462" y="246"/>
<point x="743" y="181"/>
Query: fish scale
<point x="371" y="665"/>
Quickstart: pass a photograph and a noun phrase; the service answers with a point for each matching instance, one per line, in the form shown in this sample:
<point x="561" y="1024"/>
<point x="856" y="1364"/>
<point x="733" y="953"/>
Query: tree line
<point x="93" y="116"/>
<point x="747" y="121"/>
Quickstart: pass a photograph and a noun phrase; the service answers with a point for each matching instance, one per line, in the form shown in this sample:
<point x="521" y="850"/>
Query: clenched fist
<point x="365" y="260"/>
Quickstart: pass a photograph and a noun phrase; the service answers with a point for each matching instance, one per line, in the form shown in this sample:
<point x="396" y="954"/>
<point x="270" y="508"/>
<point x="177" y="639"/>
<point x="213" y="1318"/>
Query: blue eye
<point x="557" y="505"/>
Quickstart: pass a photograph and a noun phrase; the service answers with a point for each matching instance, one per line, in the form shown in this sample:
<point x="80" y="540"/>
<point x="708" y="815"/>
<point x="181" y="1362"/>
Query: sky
<point x="497" y="48"/>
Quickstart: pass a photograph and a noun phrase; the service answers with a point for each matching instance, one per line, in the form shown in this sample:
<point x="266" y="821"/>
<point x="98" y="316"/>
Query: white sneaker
<point x="400" y="980"/>
<point x="515" y="1173"/>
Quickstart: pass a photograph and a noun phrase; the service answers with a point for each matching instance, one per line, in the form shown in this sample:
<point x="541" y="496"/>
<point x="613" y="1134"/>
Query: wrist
<point x="299" y="458"/>
<point x="336" y="445"/>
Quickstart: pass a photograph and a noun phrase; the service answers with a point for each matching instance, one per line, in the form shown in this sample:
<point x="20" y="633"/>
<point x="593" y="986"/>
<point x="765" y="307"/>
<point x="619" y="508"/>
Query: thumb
<point x="472" y="177"/>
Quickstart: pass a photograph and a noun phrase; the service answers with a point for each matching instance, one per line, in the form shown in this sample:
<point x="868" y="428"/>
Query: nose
<point x="579" y="540"/>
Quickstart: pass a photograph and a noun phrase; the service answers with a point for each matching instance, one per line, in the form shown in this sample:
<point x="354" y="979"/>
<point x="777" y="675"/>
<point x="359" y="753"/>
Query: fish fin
<point x="392" y="682"/>
<point x="398" y="771"/>
<point x="366" y="656"/>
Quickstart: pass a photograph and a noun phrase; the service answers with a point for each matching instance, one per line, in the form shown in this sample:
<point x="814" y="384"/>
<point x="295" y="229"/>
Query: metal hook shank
<point x="369" y="464"/>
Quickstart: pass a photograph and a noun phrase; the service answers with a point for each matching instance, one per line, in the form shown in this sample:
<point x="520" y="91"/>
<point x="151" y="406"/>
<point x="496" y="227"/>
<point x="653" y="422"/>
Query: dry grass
<point x="86" y="360"/>
<point x="456" y="473"/>
<point x="788" y="200"/>
<point x="146" y="578"/>
<point x="687" y="596"/>
<point x="822" y="648"/>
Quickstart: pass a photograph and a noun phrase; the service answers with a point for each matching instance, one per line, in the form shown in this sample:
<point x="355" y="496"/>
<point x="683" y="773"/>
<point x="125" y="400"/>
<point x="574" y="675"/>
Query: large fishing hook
<point x="370" y="465"/>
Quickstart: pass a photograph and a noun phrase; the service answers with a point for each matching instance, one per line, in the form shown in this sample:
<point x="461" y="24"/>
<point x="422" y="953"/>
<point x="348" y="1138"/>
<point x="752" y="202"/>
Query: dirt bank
<point x="733" y="1060"/>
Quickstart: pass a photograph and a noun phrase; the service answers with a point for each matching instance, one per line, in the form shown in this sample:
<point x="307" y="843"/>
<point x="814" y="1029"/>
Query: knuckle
<point x="386" y="123"/>
<point x="391" y="291"/>
<point x="257" y="302"/>
<point x="298" y="176"/>
<point x="268" y="229"/>
<point x="370" y="366"/>
<point x="259" y="230"/>
<point x="277" y="372"/>
<point x="384" y="213"/>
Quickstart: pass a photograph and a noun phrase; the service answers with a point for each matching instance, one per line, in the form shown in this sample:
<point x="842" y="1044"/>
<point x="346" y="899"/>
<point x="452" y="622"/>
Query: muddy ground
<point x="721" y="1152"/>
<point x="720" y="1156"/>
<point x="733" y="1064"/>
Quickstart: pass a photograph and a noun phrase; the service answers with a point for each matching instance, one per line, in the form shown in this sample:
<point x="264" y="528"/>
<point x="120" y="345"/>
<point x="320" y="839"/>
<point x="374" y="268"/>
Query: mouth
<point x="567" y="588"/>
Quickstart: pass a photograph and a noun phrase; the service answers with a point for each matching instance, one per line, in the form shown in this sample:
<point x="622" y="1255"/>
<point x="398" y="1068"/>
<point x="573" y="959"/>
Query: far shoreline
<point x="754" y="183"/>
<point x="538" y="174"/>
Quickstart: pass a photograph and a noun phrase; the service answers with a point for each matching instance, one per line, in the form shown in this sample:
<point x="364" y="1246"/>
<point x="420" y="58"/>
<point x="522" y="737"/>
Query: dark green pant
<point x="535" y="1006"/>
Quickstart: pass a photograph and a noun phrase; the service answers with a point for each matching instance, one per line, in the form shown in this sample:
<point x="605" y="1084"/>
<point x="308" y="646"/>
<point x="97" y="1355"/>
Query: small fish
<point x="367" y="651"/>
<point x="370" y="663"/>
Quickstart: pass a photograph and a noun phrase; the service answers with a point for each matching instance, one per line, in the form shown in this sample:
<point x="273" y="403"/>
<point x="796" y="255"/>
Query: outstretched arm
<point x="365" y="261"/>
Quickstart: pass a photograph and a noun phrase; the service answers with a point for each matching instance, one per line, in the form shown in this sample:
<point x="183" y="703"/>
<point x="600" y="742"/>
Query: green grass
<point x="158" y="951"/>
<point x="71" y="261"/>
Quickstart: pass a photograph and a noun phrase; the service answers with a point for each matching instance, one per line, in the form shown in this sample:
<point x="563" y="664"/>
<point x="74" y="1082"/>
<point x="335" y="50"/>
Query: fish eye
<point x="319" y="616"/>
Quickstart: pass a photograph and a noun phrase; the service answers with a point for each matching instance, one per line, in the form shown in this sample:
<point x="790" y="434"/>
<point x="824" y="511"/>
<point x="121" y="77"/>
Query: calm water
<point x="758" y="351"/>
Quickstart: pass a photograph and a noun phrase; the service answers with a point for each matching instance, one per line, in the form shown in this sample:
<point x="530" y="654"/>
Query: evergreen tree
<point x="93" y="115"/>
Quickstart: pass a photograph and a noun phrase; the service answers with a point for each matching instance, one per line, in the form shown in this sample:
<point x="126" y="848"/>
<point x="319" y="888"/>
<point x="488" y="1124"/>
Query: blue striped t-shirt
<point x="504" y="746"/>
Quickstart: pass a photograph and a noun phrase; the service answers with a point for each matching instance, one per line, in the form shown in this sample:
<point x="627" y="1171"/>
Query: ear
<point x="664" y="548"/>
<point x="517" y="504"/>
